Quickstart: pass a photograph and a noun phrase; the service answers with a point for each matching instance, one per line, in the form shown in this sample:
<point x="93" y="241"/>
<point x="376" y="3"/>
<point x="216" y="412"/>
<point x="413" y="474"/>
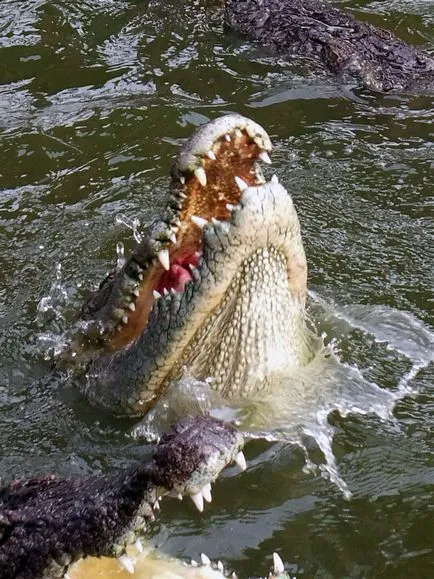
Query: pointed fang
<point x="156" y="295"/>
<point x="172" y="237"/>
<point x="242" y="185"/>
<point x="274" y="179"/>
<point x="205" y="560"/>
<point x="163" y="257"/>
<point x="127" y="563"/>
<point x="241" y="461"/>
<point x="132" y="307"/>
<point x="200" y="176"/>
<point x="124" y="320"/>
<point x="211" y="155"/>
<point x="182" y="180"/>
<point x="206" y="493"/>
<point x="264" y="156"/>
<point x="139" y="546"/>
<point x="228" y="138"/>
<point x="198" y="501"/>
<point x="278" y="564"/>
<point x="199" y="221"/>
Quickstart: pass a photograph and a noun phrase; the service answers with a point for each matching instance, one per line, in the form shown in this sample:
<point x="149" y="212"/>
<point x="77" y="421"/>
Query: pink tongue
<point x="178" y="274"/>
<point x="175" y="278"/>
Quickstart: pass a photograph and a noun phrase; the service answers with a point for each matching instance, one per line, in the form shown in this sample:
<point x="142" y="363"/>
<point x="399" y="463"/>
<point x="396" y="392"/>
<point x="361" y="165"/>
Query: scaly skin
<point x="239" y="317"/>
<point x="47" y="524"/>
<point x="334" y="39"/>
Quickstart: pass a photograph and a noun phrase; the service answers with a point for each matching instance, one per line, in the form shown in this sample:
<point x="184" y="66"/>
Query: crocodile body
<point x="335" y="40"/>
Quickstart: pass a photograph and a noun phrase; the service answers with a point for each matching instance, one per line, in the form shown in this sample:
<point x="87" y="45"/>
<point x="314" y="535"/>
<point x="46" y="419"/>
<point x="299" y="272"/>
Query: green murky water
<point x="95" y="99"/>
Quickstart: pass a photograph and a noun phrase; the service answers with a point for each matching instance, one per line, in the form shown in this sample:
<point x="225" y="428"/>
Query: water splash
<point x="300" y="405"/>
<point x="120" y="252"/>
<point x="132" y="224"/>
<point x="56" y="299"/>
<point x="50" y="313"/>
<point x="400" y="331"/>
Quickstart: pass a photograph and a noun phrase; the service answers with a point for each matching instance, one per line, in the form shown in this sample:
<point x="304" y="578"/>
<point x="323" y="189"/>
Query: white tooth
<point x="182" y="179"/>
<point x="200" y="176"/>
<point x="199" y="221"/>
<point x="139" y="546"/>
<point x="157" y="505"/>
<point x="182" y="195"/>
<point x="205" y="559"/>
<point x="136" y="292"/>
<point x="140" y="276"/>
<point x="206" y="493"/>
<point x="220" y="566"/>
<point x="211" y="155"/>
<point x="163" y="257"/>
<point x="197" y="254"/>
<point x="215" y="221"/>
<point x="156" y="294"/>
<point x="194" y="563"/>
<point x="198" y="501"/>
<point x="274" y="179"/>
<point x="238" y="133"/>
<point x="179" y="497"/>
<point x="241" y="461"/>
<point x="172" y="237"/>
<point x="264" y="156"/>
<point x="228" y="138"/>
<point x="278" y="564"/>
<point x="230" y="207"/>
<point x="242" y="185"/>
<point x="132" y="307"/>
<point x="259" y="141"/>
<point x="126" y="563"/>
<point x="173" y="291"/>
<point x="165" y="292"/>
<point x="125" y="320"/>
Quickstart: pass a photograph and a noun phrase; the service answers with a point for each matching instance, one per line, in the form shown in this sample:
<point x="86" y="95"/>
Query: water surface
<point x="96" y="98"/>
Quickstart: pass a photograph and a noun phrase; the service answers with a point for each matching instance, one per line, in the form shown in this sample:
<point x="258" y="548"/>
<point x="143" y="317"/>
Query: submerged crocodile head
<point x="218" y="286"/>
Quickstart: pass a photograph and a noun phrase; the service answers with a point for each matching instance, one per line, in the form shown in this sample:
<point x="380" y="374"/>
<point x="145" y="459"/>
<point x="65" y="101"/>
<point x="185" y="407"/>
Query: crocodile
<point x="49" y="523"/>
<point x="217" y="286"/>
<point x="334" y="39"/>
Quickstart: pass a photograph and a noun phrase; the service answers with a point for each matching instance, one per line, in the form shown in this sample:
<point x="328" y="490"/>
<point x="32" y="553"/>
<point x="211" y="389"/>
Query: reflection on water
<point x="95" y="99"/>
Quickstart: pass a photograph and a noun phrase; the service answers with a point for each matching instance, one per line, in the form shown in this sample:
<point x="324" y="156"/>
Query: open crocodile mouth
<point x="208" y="177"/>
<point x="215" y="165"/>
<point x="217" y="286"/>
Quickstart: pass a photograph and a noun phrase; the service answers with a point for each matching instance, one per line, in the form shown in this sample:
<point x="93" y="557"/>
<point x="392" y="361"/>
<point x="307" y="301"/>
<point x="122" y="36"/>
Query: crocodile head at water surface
<point x="217" y="286"/>
<point x="49" y="523"/>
